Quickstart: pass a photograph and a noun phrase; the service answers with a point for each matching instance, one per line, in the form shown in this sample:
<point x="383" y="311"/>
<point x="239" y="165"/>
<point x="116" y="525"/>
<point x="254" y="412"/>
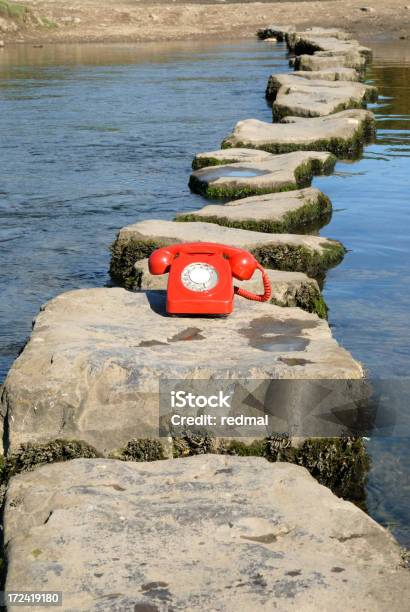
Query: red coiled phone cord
<point x="253" y="296"/>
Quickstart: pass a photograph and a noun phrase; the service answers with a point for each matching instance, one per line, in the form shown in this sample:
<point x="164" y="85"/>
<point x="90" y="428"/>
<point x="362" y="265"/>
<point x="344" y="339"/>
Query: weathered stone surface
<point x="281" y="173"/>
<point x="295" y="82"/>
<point x="294" y="95"/>
<point x="287" y="211"/>
<point x="233" y="156"/>
<point x="318" y="31"/>
<point x="201" y="533"/>
<point x="333" y="74"/>
<point x="312" y="255"/>
<point x="323" y="61"/>
<point x="288" y="288"/>
<point x="342" y="133"/>
<point x="311" y="42"/>
<point x="92" y="367"/>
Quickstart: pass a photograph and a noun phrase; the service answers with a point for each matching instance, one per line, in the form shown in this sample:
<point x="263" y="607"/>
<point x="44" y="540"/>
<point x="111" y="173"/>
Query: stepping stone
<point x="232" y="156"/>
<point x="322" y="32"/>
<point x="288" y="211"/>
<point x="281" y="173"/>
<point x="286" y="84"/>
<point x="343" y="134"/>
<point x="312" y="255"/>
<point x="322" y="61"/>
<point x="199" y="533"/>
<point x="283" y="32"/>
<point x="297" y="96"/>
<point x="92" y="366"/>
<point x="339" y="73"/>
<point x="288" y="288"/>
<point x="313" y="42"/>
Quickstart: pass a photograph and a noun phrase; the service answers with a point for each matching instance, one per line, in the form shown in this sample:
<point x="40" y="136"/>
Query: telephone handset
<point x="200" y="276"/>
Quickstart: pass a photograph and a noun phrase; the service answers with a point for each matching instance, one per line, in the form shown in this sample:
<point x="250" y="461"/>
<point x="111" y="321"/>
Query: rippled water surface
<point x="96" y="137"/>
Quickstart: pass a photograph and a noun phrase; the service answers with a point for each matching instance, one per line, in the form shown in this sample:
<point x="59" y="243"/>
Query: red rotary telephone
<point x="200" y="276"/>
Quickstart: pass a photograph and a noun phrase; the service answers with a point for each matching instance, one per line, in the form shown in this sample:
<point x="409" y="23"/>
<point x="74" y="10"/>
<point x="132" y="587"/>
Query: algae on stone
<point x="288" y="211"/>
<point x="281" y="173"/>
<point x="297" y="96"/>
<point x="312" y="255"/>
<point x="233" y="156"/>
<point x="33" y="454"/>
<point x="342" y="134"/>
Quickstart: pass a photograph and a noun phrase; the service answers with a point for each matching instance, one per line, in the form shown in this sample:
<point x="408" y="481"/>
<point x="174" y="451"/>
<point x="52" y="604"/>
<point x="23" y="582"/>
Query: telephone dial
<point x="200" y="276"/>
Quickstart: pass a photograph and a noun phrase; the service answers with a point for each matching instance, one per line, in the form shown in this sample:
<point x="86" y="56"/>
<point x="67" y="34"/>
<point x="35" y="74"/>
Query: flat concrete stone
<point x="319" y="31"/>
<point x="275" y="212"/>
<point x="312" y="255"/>
<point x="92" y="366"/>
<point x="295" y="82"/>
<point x="294" y="95"/>
<point x="200" y="533"/>
<point x="281" y="173"/>
<point x="311" y="42"/>
<point x="342" y="133"/>
<point x="322" y="61"/>
<point x="232" y="156"/>
<point x="288" y="288"/>
<point x="333" y="74"/>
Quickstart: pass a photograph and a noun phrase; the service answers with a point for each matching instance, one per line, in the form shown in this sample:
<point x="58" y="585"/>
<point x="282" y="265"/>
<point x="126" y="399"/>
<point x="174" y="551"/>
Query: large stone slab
<point x="295" y="82"/>
<point x="318" y="31"/>
<point x="233" y="156"/>
<point x="323" y="61"/>
<point x="287" y="211"/>
<point x="281" y="173"/>
<point x="338" y="73"/>
<point x="312" y="255"/>
<point x="201" y="533"/>
<point x="310" y="42"/>
<point x="287" y="31"/>
<point x="294" y="95"/>
<point x="92" y="366"/>
<point x="343" y="134"/>
<point x="288" y="288"/>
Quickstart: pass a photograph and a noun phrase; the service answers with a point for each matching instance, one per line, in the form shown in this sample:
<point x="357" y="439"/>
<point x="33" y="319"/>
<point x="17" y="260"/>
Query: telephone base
<point x="203" y="307"/>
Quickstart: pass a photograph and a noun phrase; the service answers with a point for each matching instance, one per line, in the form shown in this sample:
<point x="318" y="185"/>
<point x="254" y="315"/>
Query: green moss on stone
<point x="338" y="463"/>
<point x="190" y="443"/>
<point x="341" y="464"/>
<point x="124" y="254"/>
<point x="232" y="192"/>
<point x="298" y="258"/>
<point x="33" y="454"/>
<point x="142" y="449"/>
<point x="279" y="111"/>
<point x="294" y="258"/>
<point x="310" y="213"/>
<point x="309" y="298"/>
<point x="340" y="147"/>
<point x="206" y="162"/>
<point x="240" y="449"/>
<point x="303" y="177"/>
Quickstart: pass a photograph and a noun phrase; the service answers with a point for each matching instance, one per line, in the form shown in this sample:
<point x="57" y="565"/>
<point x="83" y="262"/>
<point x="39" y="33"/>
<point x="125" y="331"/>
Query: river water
<point x="95" y="137"/>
